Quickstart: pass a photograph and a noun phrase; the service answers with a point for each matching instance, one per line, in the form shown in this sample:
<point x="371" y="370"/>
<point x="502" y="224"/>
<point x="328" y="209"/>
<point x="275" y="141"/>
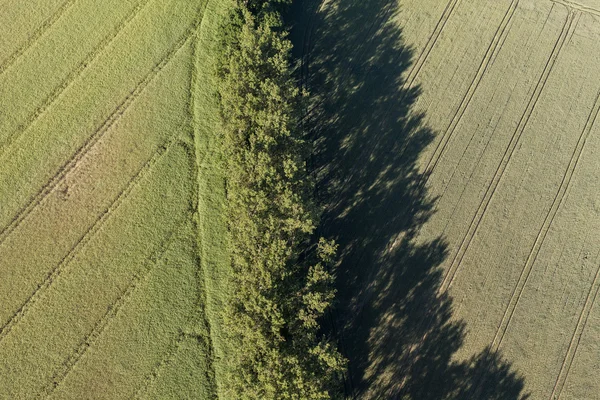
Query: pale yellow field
<point x="460" y="146"/>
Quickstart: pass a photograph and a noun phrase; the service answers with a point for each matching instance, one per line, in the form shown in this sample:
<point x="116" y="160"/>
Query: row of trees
<point x="282" y="274"/>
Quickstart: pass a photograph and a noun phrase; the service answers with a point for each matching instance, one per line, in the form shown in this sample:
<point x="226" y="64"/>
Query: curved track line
<point x="84" y="239"/>
<point x="541" y="236"/>
<point x="72" y="77"/>
<point x="516" y="137"/>
<point x="35" y="200"/>
<point x="139" y="277"/>
<point x="491" y="52"/>
<point x="38" y="33"/>
<point x="577" y="6"/>
<point x="565" y="368"/>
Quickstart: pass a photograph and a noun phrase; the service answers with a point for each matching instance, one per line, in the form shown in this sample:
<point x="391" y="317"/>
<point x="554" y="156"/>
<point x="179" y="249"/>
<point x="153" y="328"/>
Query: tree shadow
<point x="395" y="328"/>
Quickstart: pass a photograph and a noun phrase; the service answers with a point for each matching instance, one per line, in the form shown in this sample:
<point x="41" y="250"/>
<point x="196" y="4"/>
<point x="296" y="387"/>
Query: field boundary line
<point x="578" y="7"/>
<point x="139" y="278"/>
<point x="90" y="142"/>
<point x="430" y="44"/>
<point x="503" y="165"/>
<point x="37" y="34"/>
<point x="565" y="368"/>
<point x="492" y="50"/>
<point x="72" y="76"/>
<point x="541" y="236"/>
<point x="87" y="236"/>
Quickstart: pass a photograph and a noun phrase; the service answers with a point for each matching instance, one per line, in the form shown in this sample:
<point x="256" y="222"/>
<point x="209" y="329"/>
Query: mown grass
<point x="212" y="234"/>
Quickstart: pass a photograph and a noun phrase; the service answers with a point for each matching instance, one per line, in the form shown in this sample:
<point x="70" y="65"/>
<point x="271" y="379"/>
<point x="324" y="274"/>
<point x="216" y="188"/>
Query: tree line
<point x="283" y="281"/>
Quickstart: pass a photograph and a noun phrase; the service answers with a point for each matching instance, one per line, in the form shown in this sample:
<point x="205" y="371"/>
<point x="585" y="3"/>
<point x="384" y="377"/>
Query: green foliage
<point x="282" y="282"/>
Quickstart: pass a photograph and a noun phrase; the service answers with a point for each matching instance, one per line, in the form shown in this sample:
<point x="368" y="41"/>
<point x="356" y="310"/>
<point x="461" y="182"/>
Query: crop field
<point x="458" y="146"/>
<point x="102" y="290"/>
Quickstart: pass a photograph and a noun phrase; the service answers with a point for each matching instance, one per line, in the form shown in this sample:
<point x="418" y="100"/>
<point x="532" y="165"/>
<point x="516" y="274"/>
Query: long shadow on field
<point x="397" y="332"/>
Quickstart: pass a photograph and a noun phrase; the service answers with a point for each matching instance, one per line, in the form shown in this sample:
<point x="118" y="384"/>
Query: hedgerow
<point x="282" y="274"/>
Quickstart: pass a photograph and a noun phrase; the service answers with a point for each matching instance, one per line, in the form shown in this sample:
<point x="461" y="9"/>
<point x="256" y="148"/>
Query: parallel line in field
<point x="166" y="359"/>
<point x="492" y="50"/>
<point x="502" y="166"/>
<point x="139" y="277"/>
<point x="72" y="77"/>
<point x="430" y="44"/>
<point x="423" y="56"/>
<point x="565" y="367"/>
<point x="433" y="38"/>
<point x="466" y="148"/>
<point x="82" y="242"/>
<point x="480" y="158"/>
<point x="73" y="161"/>
<point x="577" y="6"/>
<point x="37" y="34"/>
<point x="557" y="203"/>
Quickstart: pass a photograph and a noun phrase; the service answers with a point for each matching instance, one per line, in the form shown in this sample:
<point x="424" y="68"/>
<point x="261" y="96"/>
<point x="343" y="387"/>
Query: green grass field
<point x="457" y="147"/>
<point x="103" y="289"/>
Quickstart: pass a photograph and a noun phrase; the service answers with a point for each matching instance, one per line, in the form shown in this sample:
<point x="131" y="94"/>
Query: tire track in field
<point x="565" y="368"/>
<point x="68" y="166"/>
<point x="72" y="77"/>
<point x="430" y="44"/>
<point x="166" y="359"/>
<point x="577" y="6"/>
<point x="433" y="38"/>
<point x="37" y="34"/>
<point x="450" y="275"/>
<point x="139" y="277"/>
<point x="87" y="236"/>
<point x="490" y="54"/>
<point x="480" y="158"/>
<point x="541" y="236"/>
<point x="423" y="56"/>
<point x="493" y="48"/>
